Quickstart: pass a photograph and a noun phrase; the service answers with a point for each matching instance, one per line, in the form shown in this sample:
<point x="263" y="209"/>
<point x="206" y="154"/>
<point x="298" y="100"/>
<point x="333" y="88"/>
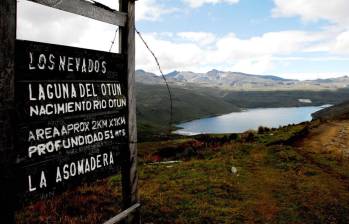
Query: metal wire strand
<point x="113" y="42"/>
<point x="163" y="76"/>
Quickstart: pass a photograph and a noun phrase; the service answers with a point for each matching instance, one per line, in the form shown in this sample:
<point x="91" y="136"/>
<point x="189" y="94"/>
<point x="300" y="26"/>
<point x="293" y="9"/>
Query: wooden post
<point x="7" y="104"/>
<point x="129" y="169"/>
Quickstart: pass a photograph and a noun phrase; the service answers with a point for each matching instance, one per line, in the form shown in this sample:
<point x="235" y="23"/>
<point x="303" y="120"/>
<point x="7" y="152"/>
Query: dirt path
<point x="330" y="139"/>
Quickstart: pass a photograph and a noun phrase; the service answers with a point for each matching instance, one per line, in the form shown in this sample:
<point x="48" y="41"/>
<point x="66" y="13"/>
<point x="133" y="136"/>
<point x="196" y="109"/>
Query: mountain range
<point x="198" y="95"/>
<point x="241" y="81"/>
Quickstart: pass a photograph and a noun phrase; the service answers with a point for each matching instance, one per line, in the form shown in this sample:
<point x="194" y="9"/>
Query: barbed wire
<point x="112" y="43"/>
<point x="163" y="76"/>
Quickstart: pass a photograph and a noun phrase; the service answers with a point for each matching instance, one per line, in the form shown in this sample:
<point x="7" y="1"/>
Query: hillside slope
<point x="153" y="106"/>
<point x="246" y="178"/>
<point x="193" y="101"/>
<point x="338" y="111"/>
<point x="255" y="99"/>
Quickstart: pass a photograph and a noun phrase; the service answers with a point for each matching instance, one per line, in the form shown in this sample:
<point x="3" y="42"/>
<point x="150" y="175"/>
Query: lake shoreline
<point x="248" y="119"/>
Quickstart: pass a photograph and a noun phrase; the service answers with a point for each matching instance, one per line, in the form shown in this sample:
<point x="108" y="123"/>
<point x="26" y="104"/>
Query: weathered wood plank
<point x="130" y="175"/>
<point x="123" y="214"/>
<point x="47" y="67"/>
<point x="7" y="103"/>
<point x="87" y="9"/>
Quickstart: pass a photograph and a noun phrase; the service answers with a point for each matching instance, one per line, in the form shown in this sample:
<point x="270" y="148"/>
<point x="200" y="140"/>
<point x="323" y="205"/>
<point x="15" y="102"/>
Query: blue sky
<point x="248" y="18"/>
<point x="302" y="39"/>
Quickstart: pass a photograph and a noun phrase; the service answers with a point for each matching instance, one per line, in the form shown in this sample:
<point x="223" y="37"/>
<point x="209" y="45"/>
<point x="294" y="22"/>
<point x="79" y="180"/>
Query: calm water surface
<point x="238" y="122"/>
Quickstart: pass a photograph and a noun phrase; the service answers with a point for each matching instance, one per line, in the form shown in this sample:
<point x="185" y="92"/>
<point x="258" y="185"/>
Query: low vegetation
<point x="338" y="111"/>
<point x="269" y="176"/>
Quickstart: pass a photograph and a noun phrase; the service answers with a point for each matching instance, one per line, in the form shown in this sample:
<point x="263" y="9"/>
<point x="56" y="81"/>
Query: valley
<point x="193" y="100"/>
<point x="295" y="173"/>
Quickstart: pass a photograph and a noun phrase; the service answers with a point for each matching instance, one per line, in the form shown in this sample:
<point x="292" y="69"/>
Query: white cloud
<point x="254" y="66"/>
<point x="341" y="45"/>
<point x="335" y="11"/>
<point x="334" y="44"/>
<point x="172" y="56"/>
<point x="110" y="4"/>
<point x="201" y="38"/>
<point x="195" y="51"/>
<point x="45" y="24"/>
<point x="198" y="3"/>
<point x="231" y="47"/>
<point x="150" y="10"/>
<point x="253" y="55"/>
<point x="312" y="59"/>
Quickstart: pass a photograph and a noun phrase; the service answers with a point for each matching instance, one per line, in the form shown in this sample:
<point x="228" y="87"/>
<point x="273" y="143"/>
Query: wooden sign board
<point x="67" y="115"/>
<point x="71" y="117"/>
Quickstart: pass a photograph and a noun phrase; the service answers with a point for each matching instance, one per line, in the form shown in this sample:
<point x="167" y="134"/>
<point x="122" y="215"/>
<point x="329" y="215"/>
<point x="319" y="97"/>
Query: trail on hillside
<point x="329" y="140"/>
<point x="277" y="180"/>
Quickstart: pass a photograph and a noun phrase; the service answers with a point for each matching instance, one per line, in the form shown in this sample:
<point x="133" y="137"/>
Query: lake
<point x="238" y="122"/>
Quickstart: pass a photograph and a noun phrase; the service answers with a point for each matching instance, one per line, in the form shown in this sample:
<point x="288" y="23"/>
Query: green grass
<point x="274" y="184"/>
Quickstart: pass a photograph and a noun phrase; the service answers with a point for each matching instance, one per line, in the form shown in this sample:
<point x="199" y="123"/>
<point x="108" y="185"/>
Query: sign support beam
<point x="129" y="169"/>
<point x="8" y="113"/>
<point x="8" y="10"/>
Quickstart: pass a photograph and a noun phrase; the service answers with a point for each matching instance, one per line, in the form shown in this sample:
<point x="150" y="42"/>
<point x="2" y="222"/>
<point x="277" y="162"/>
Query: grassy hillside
<point x="193" y="102"/>
<point x="254" y="99"/>
<point x="338" y="111"/>
<point x="274" y="182"/>
<point x="153" y="106"/>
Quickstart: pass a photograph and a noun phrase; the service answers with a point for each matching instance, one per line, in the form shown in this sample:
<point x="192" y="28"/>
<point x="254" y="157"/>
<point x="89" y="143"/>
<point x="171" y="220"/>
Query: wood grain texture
<point x="87" y="9"/>
<point x="33" y="78"/>
<point x="130" y="175"/>
<point x="7" y="75"/>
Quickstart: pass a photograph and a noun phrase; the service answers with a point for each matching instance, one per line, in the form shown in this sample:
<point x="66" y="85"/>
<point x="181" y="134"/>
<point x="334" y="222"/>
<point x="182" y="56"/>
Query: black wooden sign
<point x="71" y="117"/>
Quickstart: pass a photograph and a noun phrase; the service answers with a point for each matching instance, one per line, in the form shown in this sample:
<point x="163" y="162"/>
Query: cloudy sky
<point x="303" y="39"/>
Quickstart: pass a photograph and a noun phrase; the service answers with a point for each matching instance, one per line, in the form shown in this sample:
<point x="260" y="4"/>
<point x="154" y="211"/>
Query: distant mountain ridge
<point x="241" y="81"/>
<point x="198" y="95"/>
